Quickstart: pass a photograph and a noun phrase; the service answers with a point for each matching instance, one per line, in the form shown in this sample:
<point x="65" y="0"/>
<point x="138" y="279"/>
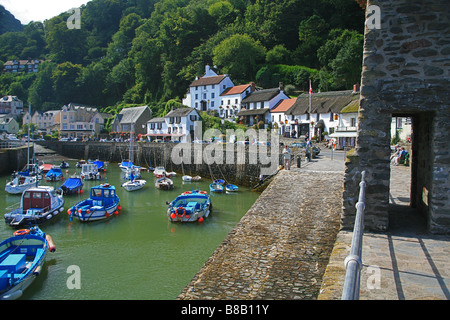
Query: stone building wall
<point x="406" y="72"/>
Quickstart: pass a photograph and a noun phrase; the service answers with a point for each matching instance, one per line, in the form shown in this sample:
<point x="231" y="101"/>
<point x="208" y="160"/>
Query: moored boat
<point x="231" y="188"/>
<point x="37" y="205"/>
<point x="21" y="183"/>
<point x="102" y="203"/>
<point x="134" y="183"/>
<point x="186" y="178"/>
<point x="89" y="171"/>
<point x="164" y="183"/>
<point x="72" y="185"/>
<point x="54" y="174"/>
<point x="21" y="259"/>
<point x="190" y="206"/>
<point x="216" y="187"/>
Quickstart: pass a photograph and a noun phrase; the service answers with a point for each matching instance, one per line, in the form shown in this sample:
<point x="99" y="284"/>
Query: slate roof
<point x="131" y="115"/>
<point x="182" y="112"/>
<point x="261" y="95"/>
<point x="205" y="81"/>
<point x="323" y="102"/>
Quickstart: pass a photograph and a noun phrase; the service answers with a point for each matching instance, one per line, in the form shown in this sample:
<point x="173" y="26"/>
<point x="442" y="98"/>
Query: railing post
<point x="353" y="263"/>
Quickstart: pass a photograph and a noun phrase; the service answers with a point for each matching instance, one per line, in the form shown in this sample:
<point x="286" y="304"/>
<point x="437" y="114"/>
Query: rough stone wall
<point x="406" y="71"/>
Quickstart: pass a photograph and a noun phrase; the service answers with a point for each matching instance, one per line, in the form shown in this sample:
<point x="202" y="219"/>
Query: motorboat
<point x="190" y="206"/>
<point x="80" y="163"/>
<point x="72" y="185"/>
<point x="127" y="165"/>
<point x="164" y="183"/>
<point x="186" y="178"/>
<point x="100" y="165"/>
<point x="89" y="171"/>
<point x="231" y="188"/>
<point x="196" y="178"/>
<point x="37" y="205"/>
<point x="64" y="165"/>
<point x="134" y="183"/>
<point x="21" y="183"/>
<point x="159" y="172"/>
<point x="21" y="259"/>
<point x="216" y="187"/>
<point x="102" y="203"/>
<point x="54" y="174"/>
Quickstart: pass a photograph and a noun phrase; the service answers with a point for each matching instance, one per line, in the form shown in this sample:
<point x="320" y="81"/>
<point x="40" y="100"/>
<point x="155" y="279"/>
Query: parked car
<point x="302" y="145"/>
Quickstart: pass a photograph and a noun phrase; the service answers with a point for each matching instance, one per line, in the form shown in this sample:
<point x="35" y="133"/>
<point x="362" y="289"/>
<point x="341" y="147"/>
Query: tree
<point x="64" y="82"/>
<point x="240" y="56"/>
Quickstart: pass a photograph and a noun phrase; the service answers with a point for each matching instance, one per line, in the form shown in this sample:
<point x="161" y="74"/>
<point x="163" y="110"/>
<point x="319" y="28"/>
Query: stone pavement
<point x="404" y="263"/>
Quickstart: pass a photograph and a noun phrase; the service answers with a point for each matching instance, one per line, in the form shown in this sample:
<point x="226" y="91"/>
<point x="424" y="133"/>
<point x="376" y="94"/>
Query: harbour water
<point x="136" y="255"/>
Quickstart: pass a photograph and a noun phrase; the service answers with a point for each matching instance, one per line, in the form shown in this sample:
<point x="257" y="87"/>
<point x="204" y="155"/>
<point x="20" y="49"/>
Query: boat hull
<point x="19" y="189"/>
<point x="96" y="214"/>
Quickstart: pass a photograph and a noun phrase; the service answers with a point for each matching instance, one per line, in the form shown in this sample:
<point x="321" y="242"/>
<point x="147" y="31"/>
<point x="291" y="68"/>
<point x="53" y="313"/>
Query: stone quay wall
<point x="405" y="72"/>
<point x="13" y="159"/>
<point x="281" y="247"/>
<point x="239" y="169"/>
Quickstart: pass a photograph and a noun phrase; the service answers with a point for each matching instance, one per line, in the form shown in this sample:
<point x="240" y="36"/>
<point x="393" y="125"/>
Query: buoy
<point x="173" y="215"/>
<point x="107" y="215"/>
<point x="21" y="232"/>
<point x="51" y="244"/>
<point x="116" y="212"/>
<point x="200" y="219"/>
<point x="119" y="207"/>
<point x="81" y="191"/>
<point x="69" y="212"/>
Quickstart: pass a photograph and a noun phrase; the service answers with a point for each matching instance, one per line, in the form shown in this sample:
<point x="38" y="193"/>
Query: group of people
<point x="400" y="155"/>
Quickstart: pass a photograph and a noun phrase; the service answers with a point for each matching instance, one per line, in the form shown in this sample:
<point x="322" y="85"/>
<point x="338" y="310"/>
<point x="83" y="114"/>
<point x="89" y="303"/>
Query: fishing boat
<point x="64" y="165"/>
<point x="102" y="203"/>
<point x="54" y="174"/>
<point x="190" y="206"/>
<point x="164" y="183"/>
<point x="72" y="185"/>
<point x="134" y="183"/>
<point x="21" y="259"/>
<point x="21" y="183"/>
<point x="37" y="205"/>
<point x="216" y="187"/>
<point x="231" y="188"/>
<point x="89" y="171"/>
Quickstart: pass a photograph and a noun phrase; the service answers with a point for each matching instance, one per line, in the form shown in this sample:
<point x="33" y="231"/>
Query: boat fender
<point x="51" y="244"/>
<point x="203" y="192"/>
<point x="178" y="212"/>
<point x="173" y="216"/>
<point x="187" y="192"/>
<point x="37" y="271"/>
<point x="49" y="216"/>
<point x="22" y="232"/>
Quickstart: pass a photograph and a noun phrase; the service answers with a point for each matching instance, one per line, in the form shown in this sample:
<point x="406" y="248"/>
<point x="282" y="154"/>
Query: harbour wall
<point x="240" y="165"/>
<point x="13" y="159"/>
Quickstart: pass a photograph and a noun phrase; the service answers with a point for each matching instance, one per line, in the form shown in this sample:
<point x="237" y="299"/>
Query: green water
<point x="138" y="254"/>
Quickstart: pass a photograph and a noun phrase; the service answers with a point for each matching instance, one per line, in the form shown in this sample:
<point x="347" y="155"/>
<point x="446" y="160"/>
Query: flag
<point x="310" y="88"/>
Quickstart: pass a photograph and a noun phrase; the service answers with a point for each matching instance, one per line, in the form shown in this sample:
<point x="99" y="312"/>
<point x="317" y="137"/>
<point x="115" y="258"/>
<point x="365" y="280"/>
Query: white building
<point x="232" y="99"/>
<point x="11" y="105"/>
<point x="177" y="125"/>
<point x="204" y="93"/>
<point x="45" y="122"/>
<point x="280" y="117"/>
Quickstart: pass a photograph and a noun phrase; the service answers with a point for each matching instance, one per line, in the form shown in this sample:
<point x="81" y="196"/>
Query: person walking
<point x="287" y="158"/>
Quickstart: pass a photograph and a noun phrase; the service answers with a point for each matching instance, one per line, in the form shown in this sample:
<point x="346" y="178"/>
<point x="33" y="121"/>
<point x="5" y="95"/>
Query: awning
<point x="347" y="134"/>
<point x="320" y="124"/>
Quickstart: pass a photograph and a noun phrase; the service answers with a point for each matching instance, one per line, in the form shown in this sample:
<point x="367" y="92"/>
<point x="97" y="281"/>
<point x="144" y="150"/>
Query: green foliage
<point x="146" y="52"/>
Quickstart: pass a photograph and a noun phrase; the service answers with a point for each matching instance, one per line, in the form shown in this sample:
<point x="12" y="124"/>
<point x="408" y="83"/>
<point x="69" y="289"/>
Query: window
<point x="212" y="95"/>
<point x="353" y="122"/>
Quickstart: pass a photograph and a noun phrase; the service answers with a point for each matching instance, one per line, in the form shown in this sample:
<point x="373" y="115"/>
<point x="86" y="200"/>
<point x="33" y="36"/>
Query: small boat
<point x="231" y="188"/>
<point x="64" y="165"/>
<point x="134" y="183"/>
<point x="21" y="183"/>
<point x="89" y="171"/>
<point x="196" y="178"/>
<point x="126" y="165"/>
<point x="219" y="181"/>
<point x="21" y="259"/>
<point x="216" y="187"/>
<point x="102" y="203"/>
<point x="159" y="172"/>
<point x="100" y="165"/>
<point x="190" y="206"/>
<point x="71" y="185"/>
<point x="54" y="174"/>
<point x="187" y="178"/>
<point x="132" y="173"/>
<point x="164" y="183"/>
<point x="45" y="167"/>
<point x="80" y="163"/>
<point x="37" y="205"/>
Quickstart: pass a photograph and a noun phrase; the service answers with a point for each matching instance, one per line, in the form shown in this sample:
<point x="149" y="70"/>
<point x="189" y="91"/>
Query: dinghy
<point x="190" y="206"/>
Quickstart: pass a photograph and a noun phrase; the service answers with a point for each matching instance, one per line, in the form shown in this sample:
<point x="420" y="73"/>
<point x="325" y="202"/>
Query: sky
<point x="39" y="10"/>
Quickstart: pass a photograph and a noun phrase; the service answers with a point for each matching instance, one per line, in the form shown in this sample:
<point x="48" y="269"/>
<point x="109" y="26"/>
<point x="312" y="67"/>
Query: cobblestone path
<point x="281" y="247"/>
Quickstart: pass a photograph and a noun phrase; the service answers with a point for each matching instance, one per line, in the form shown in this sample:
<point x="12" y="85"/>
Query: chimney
<point x="281" y="86"/>
<point x="252" y="86"/>
<point x="207" y="68"/>
<point x="356" y="88"/>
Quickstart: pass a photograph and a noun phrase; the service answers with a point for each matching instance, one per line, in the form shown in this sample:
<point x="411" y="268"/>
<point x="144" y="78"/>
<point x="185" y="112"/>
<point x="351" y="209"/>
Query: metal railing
<point x="353" y="263"/>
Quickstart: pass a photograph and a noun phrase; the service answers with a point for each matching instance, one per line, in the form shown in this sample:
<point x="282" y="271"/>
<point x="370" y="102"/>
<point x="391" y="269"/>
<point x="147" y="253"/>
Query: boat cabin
<point x="103" y="195"/>
<point x="38" y="198"/>
<point x="89" y="168"/>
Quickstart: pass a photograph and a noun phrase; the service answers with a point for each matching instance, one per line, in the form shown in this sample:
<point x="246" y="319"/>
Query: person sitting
<point x="400" y="158"/>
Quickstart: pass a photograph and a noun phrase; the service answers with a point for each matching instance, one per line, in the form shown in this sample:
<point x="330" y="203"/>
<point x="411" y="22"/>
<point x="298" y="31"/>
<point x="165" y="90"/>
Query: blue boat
<point x="71" y="185"/>
<point x="216" y="187"/>
<point x="21" y="259"/>
<point x="219" y="181"/>
<point x="100" y="165"/>
<point x="102" y="203"/>
<point x="190" y="206"/>
<point x="54" y="174"/>
<point x="127" y="165"/>
<point x="231" y="187"/>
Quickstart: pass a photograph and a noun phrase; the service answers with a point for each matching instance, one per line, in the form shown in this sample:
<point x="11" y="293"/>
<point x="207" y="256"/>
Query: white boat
<point x="134" y="183"/>
<point x="37" y="205"/>
<point x="159" y="172"/>
<point x="187" y="178"/>
<point x="164" y="183"/>
<point x="89" y="171"/>
<point x="21" y="183"/>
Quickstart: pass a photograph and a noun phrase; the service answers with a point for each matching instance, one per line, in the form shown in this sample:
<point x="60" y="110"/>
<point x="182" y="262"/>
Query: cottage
<point x="205" y="93"/>
<point x="11" y="105"/>
<point x="135" y="118"/>
<point x="8" y="124"/>
<point x="256" y="106"/>
<point x="232" y="98"/>
<point x="177" y="125"/>
<point x="281" y="119"/>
